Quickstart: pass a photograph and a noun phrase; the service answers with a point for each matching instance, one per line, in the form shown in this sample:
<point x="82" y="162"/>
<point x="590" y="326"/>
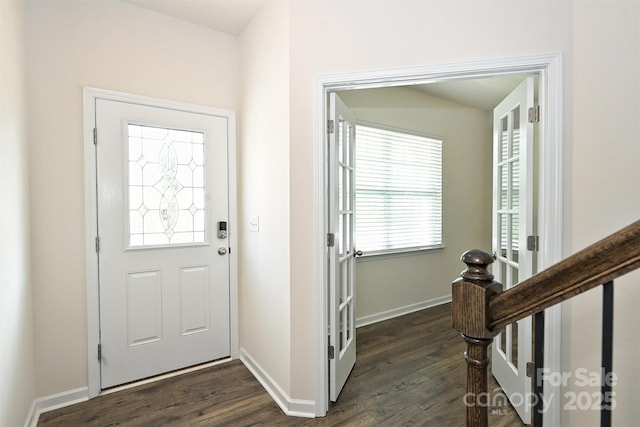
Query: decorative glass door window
<point x="165" y="186"/>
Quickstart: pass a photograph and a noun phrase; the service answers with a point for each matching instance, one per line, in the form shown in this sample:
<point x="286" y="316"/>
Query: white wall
<point x="263" y="159"/>
<point x="16" y="326"/>
<point x="605" y="188"/>
<point x="117" y="46"/>
<point x="393" y="282"/>
<point x="109" y="45"/>
<point x="381" y="34"/>
<point x="599" y="41"/>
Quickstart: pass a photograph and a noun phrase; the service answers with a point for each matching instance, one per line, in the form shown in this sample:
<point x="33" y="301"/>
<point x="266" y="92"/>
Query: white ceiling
<point x="232" y="16"/>
<point x="482" y="92"/>
<point x="229" y="16"/>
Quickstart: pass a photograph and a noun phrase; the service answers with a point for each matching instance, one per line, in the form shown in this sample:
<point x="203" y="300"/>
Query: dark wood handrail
<point x="599" y="263"/>
<point x="480" y="309"/>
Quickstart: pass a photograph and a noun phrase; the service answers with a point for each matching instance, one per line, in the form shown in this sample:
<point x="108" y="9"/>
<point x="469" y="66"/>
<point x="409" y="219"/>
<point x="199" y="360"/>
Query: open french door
<point x="512" y="224"/>
<point x="341" y="249"/>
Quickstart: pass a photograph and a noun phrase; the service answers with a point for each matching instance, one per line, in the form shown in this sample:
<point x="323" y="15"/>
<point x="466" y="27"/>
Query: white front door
<point x="341" y="247"/>
<point x="162" y="196"/>
<point x="512" y="224"/>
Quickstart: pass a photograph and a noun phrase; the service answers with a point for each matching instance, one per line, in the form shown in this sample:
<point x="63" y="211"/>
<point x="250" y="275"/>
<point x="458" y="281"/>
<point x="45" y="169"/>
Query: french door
<point x="163" y="208"/>
<point x="341" y="245"/>
<point x="512" y="225"/>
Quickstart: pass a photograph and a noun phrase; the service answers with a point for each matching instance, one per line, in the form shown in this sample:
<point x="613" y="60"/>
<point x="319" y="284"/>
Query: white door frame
<point x="549" y="67"/>
<point x="91" y="217"/>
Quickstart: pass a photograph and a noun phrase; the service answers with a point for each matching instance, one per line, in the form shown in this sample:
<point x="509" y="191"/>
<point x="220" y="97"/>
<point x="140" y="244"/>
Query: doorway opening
<point x="549" y="71"/>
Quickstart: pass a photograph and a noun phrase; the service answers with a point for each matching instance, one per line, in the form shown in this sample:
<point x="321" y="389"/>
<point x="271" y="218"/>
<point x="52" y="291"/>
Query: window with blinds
<point x="398" y="191"/>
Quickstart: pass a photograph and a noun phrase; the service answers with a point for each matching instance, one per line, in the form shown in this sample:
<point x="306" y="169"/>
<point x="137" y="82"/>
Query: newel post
<point x="469" y="315"/>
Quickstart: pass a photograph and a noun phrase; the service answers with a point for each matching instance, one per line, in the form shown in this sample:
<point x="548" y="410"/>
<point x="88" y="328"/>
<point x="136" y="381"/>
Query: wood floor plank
<point x="409" y="372"/>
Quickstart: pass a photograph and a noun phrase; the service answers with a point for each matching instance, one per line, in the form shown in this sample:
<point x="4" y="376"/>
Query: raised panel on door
<point x="195" y="310"/>
<point x="144" y="307"/>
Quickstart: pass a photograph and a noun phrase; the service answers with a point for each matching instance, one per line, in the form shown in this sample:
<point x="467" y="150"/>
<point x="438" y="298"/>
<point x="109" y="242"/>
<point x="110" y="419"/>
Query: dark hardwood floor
<point x="409" y="372"/>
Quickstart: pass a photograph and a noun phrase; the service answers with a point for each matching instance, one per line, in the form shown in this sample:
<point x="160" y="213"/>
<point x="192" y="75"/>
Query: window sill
<point x="375" y="256"/>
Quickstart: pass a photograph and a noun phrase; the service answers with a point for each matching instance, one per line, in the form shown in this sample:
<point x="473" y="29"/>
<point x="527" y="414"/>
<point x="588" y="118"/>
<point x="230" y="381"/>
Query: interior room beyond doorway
<point x="460" y="113"/>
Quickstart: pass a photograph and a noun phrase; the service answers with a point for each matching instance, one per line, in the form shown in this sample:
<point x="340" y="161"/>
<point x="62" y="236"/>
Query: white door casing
<point x="164" y="304"/>
<point x="342" y="265"/>
<point x="550" y="205"/>
<point x="512" y="224"/>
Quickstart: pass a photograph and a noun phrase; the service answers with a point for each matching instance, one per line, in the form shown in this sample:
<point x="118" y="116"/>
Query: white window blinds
<point x="398" y="191"/>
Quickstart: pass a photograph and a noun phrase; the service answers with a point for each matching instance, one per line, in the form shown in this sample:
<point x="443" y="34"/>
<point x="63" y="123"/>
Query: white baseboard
<point x="71" y="397"/>
<point x="400" y="311"/>
<point x="55" y="401"/>
<point x="291" y="407"/>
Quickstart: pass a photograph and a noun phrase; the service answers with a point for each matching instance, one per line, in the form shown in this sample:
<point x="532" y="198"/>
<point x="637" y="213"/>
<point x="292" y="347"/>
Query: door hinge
<point x="99" y="351"/>
<point x="531" y="369"/>
<point x="532" y="243"/>
<point x="331" y="240"/>
<point x="534" y="114"/>
<point x="332" y="352"/>
<point x="331" y="127"/>
<point x="97" y="244"/>
<point x="95" y="136"/>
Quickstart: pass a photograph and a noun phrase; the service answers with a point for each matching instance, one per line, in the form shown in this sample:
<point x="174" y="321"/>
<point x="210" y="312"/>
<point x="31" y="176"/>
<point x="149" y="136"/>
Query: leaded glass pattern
<point x="165" y="186"/>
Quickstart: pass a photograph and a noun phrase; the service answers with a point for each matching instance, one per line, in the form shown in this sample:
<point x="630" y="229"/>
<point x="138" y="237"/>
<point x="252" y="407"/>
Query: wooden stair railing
<point x="480" y="309"/>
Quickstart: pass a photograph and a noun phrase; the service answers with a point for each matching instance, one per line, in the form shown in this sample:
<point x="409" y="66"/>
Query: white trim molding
<point x="53" y="402"/>
<point x="291" y="407"/>
<point x="551" y="217"/>
<point x="400" y="311"/>
<point x="71" y="397"/>
<point x="549" y="68"/>
<point x="90" y="95"/>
